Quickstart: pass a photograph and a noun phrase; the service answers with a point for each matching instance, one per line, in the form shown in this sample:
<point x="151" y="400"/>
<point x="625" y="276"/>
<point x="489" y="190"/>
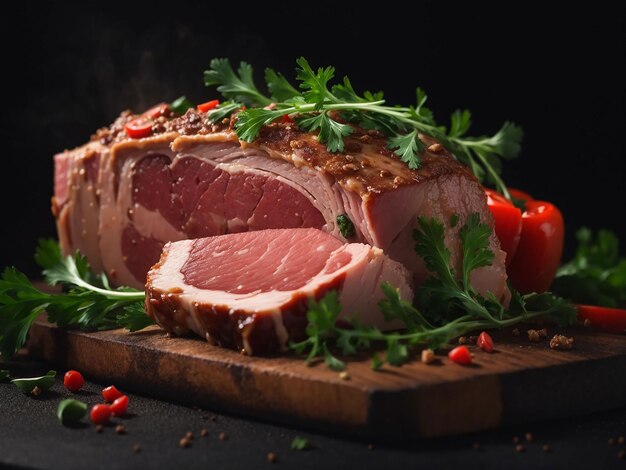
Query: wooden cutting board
<point x="520" y="382"/>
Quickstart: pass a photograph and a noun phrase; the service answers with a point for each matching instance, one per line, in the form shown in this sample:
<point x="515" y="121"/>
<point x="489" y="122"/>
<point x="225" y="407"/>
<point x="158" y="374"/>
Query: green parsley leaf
<point x="181" y="104"/>
<point x="597" y="274"/>
<point x="445" y="308"/>
<point x="223" y="110"/>
<point x="317" y="96"/>
<point x="27" y="384"/>
<point x="331" y="361"/>
<point x="346" y="227"/>
<point x="476" y="253"/>
<point x="238" y="86"/>
<point x="88" y="302"/>
<point x="397" y="353"/>
<point x="71" y="411"/>
<point x="300" y="443"/>
<point x="407" y="146"/>
<point x="279" y="87"/>
<point x="331" y="131"/>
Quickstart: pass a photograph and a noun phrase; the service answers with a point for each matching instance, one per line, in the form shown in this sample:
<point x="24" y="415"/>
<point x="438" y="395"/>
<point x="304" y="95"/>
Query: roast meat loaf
<point x="119" y="200"/>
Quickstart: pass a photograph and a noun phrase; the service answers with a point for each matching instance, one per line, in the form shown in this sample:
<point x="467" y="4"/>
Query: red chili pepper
<point x="73" y="380"/>
<point x="157" y="111"/>
<point x="287" y="119"/>
<point x="119" y="406"/>
<point x="461" y="355"/>
<point x="508" y="222"/>
<point x="209" y="105"/>
<point x="138" y="128"/>
<point x="540" y="247"/>
<point x="612" y="320"/>
<point x="100" y="414"/>
<point x="110" y="394"/>
<point x="485" y="342"/>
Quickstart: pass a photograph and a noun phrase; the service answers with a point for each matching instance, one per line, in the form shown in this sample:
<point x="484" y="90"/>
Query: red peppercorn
<point x="100" y="414"/>
<point x="461" y="355"/>
<point x="110" y="394"/>
<point x="119" y="406"/>
<point x="485" y="342"/>
<point x="73" y="380"/>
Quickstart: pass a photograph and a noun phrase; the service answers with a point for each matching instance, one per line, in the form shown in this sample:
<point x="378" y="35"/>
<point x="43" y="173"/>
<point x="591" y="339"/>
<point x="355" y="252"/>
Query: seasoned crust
<point x="366" y="165"/>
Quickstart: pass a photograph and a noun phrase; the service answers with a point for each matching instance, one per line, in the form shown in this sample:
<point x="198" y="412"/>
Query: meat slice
<point x="192" y="178"/>
<point x="250" y="290"/>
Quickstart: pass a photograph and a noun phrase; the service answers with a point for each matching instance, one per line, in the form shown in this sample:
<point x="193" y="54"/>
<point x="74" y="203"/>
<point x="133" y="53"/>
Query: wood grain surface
<point x="519" y="382"/>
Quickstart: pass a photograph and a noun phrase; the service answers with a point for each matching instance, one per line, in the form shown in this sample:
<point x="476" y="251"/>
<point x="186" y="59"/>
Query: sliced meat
<point x="250" y="290"/>
<point x="194" y="179"/>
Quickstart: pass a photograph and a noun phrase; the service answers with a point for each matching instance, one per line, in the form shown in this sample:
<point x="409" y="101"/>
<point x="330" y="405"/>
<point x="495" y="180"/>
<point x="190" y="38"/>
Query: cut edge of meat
<point x="265" y="322"/>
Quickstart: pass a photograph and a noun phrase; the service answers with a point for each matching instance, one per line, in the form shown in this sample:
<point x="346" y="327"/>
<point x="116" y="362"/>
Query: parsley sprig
<point x="319" y="105"/>
<point x="88" y="301"/>
<point x="447" y="305"/>
<point x="597" y="273"/>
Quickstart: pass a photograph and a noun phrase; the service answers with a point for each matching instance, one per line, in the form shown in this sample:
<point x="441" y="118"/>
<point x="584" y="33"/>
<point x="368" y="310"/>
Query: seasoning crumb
<point x="561" y="342"/>
<point x="204" y="432"/>
<point x="462" y="340"/>
<point x="184" y="442"/>
<point x="534" y="336"/>
<point x="515" y="440"/>
<point x="370" y="446"/>
<point x="37" y="391"/>
<point x="99" y="428"/>
<point x="515" y="332"/>
<point x="520" y="448"/>
<point x="344" y="375"/>
<point x="435" y="148"/>
<point x="476" y="446"/>
<point x="223" y="436"/>
<point x="611" y="441"/>
<point x="272" y="457"/>
<point x="546" y="448"/>
<point x="120" y="429"/>
<point x="621" y="454"/>
<point x="136" y="448"/>
<point x="529" y="437"/>
<point x="621" y="440"/>
<point x="587" y="322"/>
<point x="428" y="356"/>
<point x="189" y="435"/>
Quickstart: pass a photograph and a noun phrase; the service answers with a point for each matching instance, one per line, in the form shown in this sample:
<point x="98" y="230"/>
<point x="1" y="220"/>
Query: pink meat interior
<point x="263" y="261"/>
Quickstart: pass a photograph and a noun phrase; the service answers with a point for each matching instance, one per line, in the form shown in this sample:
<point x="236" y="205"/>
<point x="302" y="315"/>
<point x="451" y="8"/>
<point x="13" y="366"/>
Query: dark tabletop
<point x="32" y="437"/>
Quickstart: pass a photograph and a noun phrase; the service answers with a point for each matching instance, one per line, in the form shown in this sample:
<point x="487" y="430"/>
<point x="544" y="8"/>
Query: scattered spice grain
<point x="184" y="442"/>
<point x="272" y="457"/>
<point x="99" y="428"/>
<point x="520" y="448"/>
<point x="136" y="448"/>
<point x="561" y="342"/>
<point x="529" y="437"/>
<point x="428" y="356"/>
<point x="120" y="429"/>
<point x="204" y="432"/>
<point x="546" y="448"/>
<point x="223" y="436"/>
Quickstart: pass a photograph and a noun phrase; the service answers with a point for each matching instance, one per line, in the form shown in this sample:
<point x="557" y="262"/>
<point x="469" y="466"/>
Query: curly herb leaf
<point x="88" y="302"/>
<point x="28" y="384"/>
<point x="71" y="411"/>
<point x="346" y="227"/>
<point x="446" y="308"/>
<point x="597" y="273"/>
<point x="316" y="96"/>
<point x="181" y="104"/>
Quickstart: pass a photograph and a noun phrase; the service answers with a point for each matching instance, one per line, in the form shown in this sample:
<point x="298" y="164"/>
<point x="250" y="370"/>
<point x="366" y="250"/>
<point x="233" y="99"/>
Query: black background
<point x="70" y="68"/>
